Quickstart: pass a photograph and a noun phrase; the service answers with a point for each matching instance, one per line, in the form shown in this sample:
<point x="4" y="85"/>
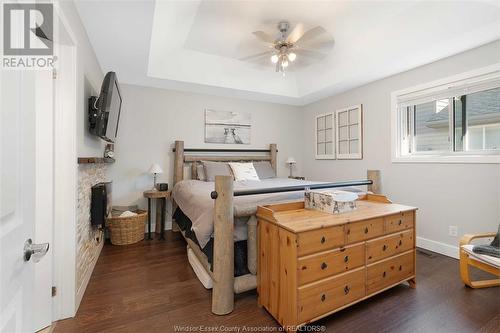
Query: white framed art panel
<point x="349" y="132"/>
<point x="325" y="136"/>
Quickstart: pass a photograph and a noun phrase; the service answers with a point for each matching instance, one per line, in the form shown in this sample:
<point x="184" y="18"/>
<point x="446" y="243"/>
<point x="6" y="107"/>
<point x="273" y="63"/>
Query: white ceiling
<point x="196" y="45"/>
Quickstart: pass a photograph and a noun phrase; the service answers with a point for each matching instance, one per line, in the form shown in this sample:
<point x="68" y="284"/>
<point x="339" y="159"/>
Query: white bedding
<point x="193" y="198"/>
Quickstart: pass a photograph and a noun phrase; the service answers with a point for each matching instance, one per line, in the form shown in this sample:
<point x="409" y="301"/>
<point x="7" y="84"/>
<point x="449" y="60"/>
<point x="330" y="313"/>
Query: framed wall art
<point x="325" y="136"/>
<point x="227" y="127"/>
<point x="349" y="132"/>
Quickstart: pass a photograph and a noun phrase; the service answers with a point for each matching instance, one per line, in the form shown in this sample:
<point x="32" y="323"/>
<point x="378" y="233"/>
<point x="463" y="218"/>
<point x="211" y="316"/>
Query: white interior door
<point x="26" y="202"/>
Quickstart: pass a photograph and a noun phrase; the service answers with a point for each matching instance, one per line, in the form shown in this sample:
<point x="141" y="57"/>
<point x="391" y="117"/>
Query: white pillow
<point x="244" y="171"/>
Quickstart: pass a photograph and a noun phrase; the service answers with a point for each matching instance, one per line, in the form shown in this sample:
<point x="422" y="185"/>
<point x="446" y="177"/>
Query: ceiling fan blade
<point x="319" y="44"/>
<point x="264" y="36"/>
<point x="296" y="33"/>
<point x="309" y="53"/>
<point x="256" y="56"/>
<point x="311" y="34"/>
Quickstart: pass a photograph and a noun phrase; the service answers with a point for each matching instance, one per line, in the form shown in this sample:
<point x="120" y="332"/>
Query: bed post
<point x="179" y="161"/>
<point x="374" y="175"/>
<point x="194" y="171"/>
<point x="223" y="262"/>
<point x="273" y="150"/>
<point x="178" y="173"/>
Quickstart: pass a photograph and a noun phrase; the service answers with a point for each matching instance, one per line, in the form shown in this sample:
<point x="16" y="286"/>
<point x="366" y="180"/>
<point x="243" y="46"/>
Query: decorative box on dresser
<point x="312" y="264"/>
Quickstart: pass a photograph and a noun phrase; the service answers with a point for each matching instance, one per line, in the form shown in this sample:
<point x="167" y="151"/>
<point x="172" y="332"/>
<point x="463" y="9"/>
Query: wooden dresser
<point x="312" y="264"/>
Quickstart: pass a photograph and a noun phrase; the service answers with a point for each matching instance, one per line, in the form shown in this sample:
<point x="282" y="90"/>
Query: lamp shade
<point x="291" y="160"/>
<point x="155" y="168"/>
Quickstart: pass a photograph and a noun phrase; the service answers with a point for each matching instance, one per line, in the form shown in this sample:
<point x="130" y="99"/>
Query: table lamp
<point x="291" y="161"/>
<point x="155" y="169"/>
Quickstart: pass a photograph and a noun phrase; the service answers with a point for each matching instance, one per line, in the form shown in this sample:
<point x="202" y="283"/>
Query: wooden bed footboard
<point x="224" y="282"/>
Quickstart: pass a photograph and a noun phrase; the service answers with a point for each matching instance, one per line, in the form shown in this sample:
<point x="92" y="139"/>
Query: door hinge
<point x="54" y="73"/>
<point x="54" y="291"/>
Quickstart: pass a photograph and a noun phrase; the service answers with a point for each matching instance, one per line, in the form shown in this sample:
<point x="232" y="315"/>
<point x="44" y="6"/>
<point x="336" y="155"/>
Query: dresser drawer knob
<point x="346" y="258"/>
<point x="323" y="297"/>
<point x="384" y="247"/>
<point x="400" y="222"/>
<point x="400" y="242"/>
<point x="346" y="290"/>
<point x="323" y="240"/>
<point x="383" y="274"/>
<point x="366" y="230"/>
<point x="400" y="267"/>
<point x="324" y="265"/>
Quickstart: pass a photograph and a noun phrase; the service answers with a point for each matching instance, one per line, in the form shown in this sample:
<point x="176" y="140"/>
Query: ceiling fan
<point x="291" y="45"/>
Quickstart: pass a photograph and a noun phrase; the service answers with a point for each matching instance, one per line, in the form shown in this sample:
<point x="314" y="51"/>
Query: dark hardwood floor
<point x="150" y="287"/>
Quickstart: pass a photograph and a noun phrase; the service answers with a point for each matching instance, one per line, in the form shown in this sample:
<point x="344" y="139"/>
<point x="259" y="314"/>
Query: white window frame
<point x="325" y="156"/>
<point x="464" y="81"/>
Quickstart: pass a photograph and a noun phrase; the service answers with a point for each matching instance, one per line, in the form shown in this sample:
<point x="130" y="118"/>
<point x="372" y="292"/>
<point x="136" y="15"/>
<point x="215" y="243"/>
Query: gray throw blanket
<point x="493" y="249"/>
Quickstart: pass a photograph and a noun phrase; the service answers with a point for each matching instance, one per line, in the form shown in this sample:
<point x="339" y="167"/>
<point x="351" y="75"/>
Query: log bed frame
<point x="225" y="285"/>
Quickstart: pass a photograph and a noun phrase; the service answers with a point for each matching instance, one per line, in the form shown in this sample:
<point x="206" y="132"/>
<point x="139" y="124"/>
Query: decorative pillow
<point x="264" y="169"/>
<point x="200" y="172"/>
<point x="213" y="169"/>
<point x="244" y="171"/>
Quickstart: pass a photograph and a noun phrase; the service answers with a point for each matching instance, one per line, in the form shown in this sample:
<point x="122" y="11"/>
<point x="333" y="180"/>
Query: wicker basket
<point x="127" y="230"/>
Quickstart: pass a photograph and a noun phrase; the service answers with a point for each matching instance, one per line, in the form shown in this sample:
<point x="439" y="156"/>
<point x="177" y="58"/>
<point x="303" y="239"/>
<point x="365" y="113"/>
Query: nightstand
<point x="162" y="197"/>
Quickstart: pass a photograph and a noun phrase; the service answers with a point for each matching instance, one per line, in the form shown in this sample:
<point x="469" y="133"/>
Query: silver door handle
<point x="37" y="251"/>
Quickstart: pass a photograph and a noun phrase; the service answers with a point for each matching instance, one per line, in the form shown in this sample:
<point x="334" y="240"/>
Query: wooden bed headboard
<point x="194" y="156"/>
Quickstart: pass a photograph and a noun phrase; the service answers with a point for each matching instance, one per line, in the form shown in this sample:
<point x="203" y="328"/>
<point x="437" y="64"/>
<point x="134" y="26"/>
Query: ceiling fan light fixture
<point x="285" y="48"/>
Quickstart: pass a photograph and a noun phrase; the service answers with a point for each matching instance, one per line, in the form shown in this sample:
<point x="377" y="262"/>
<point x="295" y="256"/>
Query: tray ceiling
<point x="196" y="45"/>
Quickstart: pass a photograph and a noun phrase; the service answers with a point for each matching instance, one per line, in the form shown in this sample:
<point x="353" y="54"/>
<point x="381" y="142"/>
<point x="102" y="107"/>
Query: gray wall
<point x="152" y="119"/>
<point x="88" y="145"/>
<point x="464" y="195"/>
<point x="89" y="78"/>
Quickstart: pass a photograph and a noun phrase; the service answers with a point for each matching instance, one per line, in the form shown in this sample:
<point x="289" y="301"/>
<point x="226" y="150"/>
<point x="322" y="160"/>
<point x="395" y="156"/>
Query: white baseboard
<point x="438" y="247"/>
<point x="86" y="279"/>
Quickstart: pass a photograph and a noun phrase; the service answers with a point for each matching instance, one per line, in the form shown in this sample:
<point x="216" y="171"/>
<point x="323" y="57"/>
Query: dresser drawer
<point x="324" y="296"/>
<point x="398" y="222"/>
<point x="318" y="266"/>
<point x="389" y="272"/>
<point x="359" y="231"/>
<point x="388" y="246"/>
<point x="320" y="240"/>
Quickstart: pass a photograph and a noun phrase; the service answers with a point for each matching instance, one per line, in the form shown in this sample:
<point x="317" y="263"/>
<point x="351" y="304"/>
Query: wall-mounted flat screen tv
<point x="104" y="111"/>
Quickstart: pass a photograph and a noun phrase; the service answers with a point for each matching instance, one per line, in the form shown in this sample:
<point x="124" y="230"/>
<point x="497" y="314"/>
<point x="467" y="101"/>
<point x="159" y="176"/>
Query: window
<point x="482" y="115"/>
<point x="349" y="132"/>
<point x="325" y="148"/>
<point x="450" y="121"/>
